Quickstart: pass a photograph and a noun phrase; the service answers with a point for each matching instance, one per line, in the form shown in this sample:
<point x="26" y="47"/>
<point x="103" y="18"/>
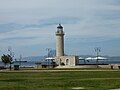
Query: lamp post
<point x="20" y="59"/>
<point x="48" y="51"/>
<point x="97" y="50"/>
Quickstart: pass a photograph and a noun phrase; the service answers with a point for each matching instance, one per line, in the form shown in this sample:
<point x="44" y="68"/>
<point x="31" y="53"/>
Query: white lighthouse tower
<point x="59" y="41"/>
<point x="61" y="59"/>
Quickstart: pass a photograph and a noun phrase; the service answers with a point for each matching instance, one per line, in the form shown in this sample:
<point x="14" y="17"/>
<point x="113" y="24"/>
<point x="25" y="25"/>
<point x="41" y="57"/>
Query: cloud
<point x="41" y="23"/>
<point x="18" y="38"/>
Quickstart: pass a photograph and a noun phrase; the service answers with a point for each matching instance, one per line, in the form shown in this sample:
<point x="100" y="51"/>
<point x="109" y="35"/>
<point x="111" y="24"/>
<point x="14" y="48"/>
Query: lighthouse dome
<point x="60" y="27"/>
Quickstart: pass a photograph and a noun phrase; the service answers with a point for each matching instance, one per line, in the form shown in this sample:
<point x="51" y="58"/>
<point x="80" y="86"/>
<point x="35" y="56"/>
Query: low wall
<point x="80" y="66"/>
<point x="110" y="66"/>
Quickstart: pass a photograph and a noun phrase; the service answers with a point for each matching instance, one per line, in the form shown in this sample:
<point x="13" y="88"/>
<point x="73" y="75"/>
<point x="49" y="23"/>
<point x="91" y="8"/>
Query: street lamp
<point x="48" y="52"/>
<point x="20" y="60"/>
<point x="97" y="50"/>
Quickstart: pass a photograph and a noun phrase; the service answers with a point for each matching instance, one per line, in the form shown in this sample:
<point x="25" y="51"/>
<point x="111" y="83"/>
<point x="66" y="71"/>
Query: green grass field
<point x="62" y="80"/>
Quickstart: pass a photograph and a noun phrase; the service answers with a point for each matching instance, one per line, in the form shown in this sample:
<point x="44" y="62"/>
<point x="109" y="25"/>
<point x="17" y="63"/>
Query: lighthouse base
<point x="67" y="60"/>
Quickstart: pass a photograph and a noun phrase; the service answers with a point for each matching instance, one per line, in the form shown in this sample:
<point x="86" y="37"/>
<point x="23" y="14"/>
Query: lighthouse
<point x="59" y="41"/>
<point x="61" y="59"/>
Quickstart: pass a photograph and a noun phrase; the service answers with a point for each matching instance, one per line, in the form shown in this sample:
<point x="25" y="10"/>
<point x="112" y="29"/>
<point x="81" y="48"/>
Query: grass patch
<point x="90" y="80"/>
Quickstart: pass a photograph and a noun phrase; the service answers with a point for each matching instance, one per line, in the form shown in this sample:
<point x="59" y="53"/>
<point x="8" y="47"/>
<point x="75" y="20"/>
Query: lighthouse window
<point x="57" y="31"/>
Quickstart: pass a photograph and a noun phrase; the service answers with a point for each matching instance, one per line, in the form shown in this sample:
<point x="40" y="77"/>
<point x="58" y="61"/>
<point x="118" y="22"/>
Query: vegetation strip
<point x="93" y="80"/>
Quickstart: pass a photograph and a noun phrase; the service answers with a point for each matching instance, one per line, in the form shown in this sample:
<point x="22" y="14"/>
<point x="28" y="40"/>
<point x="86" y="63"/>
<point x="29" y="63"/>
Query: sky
<point x="29" y="26"/>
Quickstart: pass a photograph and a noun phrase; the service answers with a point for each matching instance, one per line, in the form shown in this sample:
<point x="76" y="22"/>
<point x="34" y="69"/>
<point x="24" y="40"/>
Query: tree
<point x="6" y="59"/>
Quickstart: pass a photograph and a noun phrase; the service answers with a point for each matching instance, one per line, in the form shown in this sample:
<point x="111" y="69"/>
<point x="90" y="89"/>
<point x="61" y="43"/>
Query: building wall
<point x="67" y="60"/>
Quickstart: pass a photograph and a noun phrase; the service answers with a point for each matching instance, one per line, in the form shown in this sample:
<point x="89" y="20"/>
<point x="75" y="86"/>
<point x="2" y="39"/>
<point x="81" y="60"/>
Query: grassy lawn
<point x="90" y="80"/>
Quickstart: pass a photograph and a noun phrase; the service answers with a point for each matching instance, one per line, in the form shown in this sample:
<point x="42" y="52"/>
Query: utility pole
<point x="97" y="50"/>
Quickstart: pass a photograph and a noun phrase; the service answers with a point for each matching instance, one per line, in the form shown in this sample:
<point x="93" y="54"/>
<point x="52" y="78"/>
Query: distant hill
<point x="33" y="58"/>
<point x="40" y="58"/>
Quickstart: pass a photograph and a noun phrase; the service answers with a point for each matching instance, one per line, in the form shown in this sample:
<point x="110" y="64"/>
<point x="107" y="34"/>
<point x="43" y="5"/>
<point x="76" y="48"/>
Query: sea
<point x="110" y="60"/>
